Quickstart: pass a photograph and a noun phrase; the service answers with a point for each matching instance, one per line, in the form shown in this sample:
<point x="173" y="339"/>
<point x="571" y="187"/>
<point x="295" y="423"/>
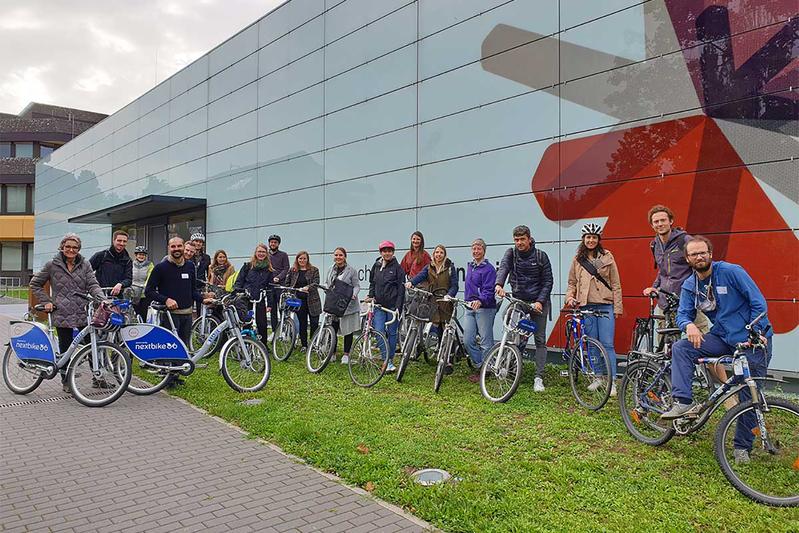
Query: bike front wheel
<point x="590" y="374"/>
<point x="143" y="386"/>
<point x="769" y="473"/>
<point x="18" y="376"/>
<point x="100" y="386"/>
<point x="245" y="368"/>
<point x="644" y="395"/>
<point x="321" y="349"/>
<point x="200" y="333"/>
<point x="366" y="365"/>
<point x="408" y="349"/>
<point x="501" y="373"/>
<point x="284" y="339"/>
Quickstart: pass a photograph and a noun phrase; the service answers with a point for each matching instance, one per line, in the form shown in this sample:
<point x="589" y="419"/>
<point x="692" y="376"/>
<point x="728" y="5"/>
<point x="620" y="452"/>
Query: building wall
<point x="348" y="122"/>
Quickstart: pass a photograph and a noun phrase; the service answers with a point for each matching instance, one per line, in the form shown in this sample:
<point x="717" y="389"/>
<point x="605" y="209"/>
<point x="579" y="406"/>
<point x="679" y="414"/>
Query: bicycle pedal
<point x="201" y="365"/>
<point x="564" y="373"/>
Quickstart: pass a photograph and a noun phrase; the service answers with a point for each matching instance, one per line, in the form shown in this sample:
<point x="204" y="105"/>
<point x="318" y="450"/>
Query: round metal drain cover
<point x="430" y="476"/>
<point x="252" y="401"/>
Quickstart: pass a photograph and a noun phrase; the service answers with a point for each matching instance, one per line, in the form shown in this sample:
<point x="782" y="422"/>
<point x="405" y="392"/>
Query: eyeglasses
<point x="71" y="248"/>
<point x="699" y="254"/>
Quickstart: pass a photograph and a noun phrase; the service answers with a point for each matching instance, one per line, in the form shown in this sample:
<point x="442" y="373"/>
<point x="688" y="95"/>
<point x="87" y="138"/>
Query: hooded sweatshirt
<point x="672" y="267"/>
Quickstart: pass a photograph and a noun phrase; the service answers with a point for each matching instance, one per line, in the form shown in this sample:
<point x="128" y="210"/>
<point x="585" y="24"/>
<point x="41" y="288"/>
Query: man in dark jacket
<point x="113" y="267"/>
<point x="280" y="266"/>
<point x="667" y="251"/>
<point x="387" y="288"/>
<point x="530" y="274"/>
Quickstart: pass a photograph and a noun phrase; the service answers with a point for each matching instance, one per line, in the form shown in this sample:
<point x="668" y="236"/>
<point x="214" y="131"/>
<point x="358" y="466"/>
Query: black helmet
<point x="140" y="250"/>
<point x="274" y="238"/>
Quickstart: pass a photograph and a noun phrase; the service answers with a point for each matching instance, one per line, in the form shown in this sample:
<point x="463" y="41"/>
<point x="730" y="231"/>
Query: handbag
<point x="338" y="298"/>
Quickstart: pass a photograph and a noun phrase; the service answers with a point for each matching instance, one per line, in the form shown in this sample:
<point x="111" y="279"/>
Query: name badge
<point x="721" y="289"/>
<point x="184" y="276"/>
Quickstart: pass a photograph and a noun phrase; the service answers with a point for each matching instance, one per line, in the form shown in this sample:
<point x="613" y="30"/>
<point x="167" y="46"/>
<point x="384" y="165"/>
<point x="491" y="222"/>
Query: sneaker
<point x="475" y="378"/>
<point x="345" y="359"/>
<point x="448" y="370"/>
<point x="390" y="367"/>
<point x="333" y="358"/>
<point x="65" y="387"/>
<point x="596" y="384"/>
<point x="741" y="456"/>
<point x="269" y="338"/>
<point x="538" y="385"/>
<point x="100" y="384"/>
<point x="613" y="390"/>
<point x="679" y="410"/>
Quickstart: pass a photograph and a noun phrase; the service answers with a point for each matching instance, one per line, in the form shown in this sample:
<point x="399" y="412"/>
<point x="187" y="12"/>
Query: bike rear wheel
<point x="501" y="373"/>
<point x="643" y="397"/>
<point x="590" y="374"/>
<point x="771" y="474"/>
<point x="199" y="334"/>
<point x="284" y="339"/>
<point x="141" y="386"/>
<point x="321" y="349"/>
<point x="408" y="349"/>
<point x="366" y="365"/>
<point x="98" y="387"/>
<point x="19" y="378"/>
<point x="238" y="373"/>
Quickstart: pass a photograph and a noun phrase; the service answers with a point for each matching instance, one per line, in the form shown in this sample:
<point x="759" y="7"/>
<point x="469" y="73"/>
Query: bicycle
<point x="643" y="338"/>
<point x="587" y="361"/>
<point x="502" y="369"/>
<point x="243" y="359"/>
<point x="285" y="338"/>
<point x="323" y="344"/>
<point x="415" y="320"/>
<point x="204" y="324"/>
<point x="775" y="421"/>
<point x="33" y="356"/>
<point x="450" y="348"/>
<point x="366" y="365"/>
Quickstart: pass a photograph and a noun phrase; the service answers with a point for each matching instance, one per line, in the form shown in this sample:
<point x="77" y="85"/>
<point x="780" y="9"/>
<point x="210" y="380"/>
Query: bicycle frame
<point x="575" y="331"/>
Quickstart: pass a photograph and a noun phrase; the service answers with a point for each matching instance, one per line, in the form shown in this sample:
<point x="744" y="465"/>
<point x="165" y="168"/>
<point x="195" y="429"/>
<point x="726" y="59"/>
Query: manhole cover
<point x="430" y="476"/>
<point x="252" y="401"/>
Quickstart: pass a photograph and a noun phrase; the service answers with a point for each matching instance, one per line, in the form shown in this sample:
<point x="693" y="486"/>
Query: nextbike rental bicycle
<point x="92" y="369"/>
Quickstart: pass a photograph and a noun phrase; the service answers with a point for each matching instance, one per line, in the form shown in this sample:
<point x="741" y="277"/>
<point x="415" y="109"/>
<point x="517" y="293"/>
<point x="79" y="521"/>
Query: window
<point x="5" y="149"/>
<point x="23" y="149"/>
<point x="16" y="198"/>
<point x="46" y="150"/>
<point x="11" y="256"/>
<point x="29" y="247"/>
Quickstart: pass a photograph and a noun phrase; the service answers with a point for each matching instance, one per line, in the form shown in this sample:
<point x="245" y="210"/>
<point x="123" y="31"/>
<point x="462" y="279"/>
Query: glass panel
<point x="11" y="256"/>
<point x="24" y="149"/>
<point x="29" y="248"/>
<point x="16" y="198"/>
<point x="5" y="149"/>
<point x="46" y="150"/>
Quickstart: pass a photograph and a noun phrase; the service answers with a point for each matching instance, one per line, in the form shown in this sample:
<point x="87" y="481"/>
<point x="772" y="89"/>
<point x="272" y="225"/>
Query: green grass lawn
<point x="538" y="462"/>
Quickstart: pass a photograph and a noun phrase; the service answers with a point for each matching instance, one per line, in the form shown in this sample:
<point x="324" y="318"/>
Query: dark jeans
<point x="182" y="325"/>
<point x="304" y="316"/>
<point x="347" y="338"/>
<point x="684" y="357"/>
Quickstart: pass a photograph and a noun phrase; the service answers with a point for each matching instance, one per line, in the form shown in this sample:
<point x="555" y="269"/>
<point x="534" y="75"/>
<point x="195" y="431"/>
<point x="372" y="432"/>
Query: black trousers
<point x="347" y="338"/>
<point x="273" y="313"/>
<point x="65" y="338"/>
<point x="182" y="325"/>
<point x="306" y="317"/>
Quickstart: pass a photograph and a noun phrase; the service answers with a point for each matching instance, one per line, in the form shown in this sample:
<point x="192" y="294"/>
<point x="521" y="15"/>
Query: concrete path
<point x="157" y="464"/>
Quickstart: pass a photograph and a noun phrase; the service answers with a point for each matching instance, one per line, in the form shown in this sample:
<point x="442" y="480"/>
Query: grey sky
<point x="101" y="54"/>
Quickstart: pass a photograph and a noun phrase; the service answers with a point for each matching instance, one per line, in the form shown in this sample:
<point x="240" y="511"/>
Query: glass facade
<point x="343" y="123"/>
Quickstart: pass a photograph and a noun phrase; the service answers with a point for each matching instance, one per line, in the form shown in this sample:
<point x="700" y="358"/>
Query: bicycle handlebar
<point x="392" y="312"/>
<point x="421" y="291"/>
<point x="464" y="303"/>
<point x="588" y="312"/>
<point x="509" y="297"/>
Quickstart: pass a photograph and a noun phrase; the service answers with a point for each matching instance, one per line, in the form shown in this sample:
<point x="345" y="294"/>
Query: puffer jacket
<point x="529" y="273"/>
<point x="586" y="289"/>
<point x="70" y="310"/>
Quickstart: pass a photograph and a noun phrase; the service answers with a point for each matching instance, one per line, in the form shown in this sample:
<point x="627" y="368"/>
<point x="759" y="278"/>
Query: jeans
<point x="481" y="321"/>
<point x="603" y="329"/>
<point x="683" y="359"/>
<point x="379" y="323"/>
<point x="540" y="337"/>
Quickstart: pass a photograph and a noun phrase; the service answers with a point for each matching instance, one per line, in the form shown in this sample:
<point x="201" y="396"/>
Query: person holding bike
<point x="530" y="274"/>
<point x="730" y="298"/>
<point x="594" y="284"/>
<point x="256" y="275"/>
<point x="220" y="270"/>
<point x="416" y="258"/>
<point x="386" y="289"/>
<point x="140" y="272"/>
<point x="342" y="272"/>
<point x="280" y="269"/>
<point x="481" y="277"/>
<point x="304" y="276"/>
<point x="68" y="272"/>
<point x="113" y="266"/>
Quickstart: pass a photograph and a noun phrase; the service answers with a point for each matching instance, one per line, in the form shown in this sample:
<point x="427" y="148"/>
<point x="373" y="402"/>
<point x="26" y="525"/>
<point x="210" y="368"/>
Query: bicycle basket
<point x="293" y="304"/>
<point x="107" y="317"/>
<point x="421" y="306"/>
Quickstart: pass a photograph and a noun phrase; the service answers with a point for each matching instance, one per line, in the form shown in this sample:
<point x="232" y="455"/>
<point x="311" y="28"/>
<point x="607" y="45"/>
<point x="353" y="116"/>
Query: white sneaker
<point x="613" y="390"/>
<point x="390" y="367"/>
<point x="333" y="358"/>
<point x="269" y="338"/>
<point x="595" y="385"/>
<point x="538" y="385"/>
<point x="345" y="359"/>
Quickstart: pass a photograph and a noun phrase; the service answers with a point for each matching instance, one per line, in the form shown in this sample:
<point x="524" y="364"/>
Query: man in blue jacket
<point x="730" y="299"/>
<point x="530" y="274"/>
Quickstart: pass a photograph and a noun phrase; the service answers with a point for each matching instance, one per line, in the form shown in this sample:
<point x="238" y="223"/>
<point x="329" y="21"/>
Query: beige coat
<point x="586" y="289"/>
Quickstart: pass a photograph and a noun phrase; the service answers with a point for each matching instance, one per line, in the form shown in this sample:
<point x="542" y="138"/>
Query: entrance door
<point x="156" y="241"/>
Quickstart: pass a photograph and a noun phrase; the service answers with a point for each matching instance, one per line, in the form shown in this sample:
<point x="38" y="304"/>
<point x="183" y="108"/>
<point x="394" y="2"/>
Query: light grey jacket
<point x="350" y="276"/>
<point x="70" y="310"/>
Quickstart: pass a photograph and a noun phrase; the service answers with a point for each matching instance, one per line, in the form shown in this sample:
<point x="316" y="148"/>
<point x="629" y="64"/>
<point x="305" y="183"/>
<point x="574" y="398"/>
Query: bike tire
<point x="430" y="348"/>
<point x="366" y="366"/>
<point x="583" y="368"/>
<point x="234" y="367"/>
<point x="112" y="360"/>
<point x="12" y="365"/>
<point x="408" y="348"/>
<point x="782" y="424"/>
<point x="320" y="349"/>
<point x="199" y="337"/>
<point x="148" y="388"/>
<point x="641" y="416"/>
<point x="510" y="364"/>
<point x="284" y="340"/>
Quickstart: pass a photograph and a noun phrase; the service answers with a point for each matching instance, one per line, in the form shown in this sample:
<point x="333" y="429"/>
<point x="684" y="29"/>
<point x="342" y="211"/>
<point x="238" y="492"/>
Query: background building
<point x="35" y="132"/>
<point x="336" y="122"/>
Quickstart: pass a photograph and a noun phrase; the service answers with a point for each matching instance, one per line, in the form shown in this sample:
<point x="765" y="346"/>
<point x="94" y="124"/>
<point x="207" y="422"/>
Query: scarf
<point x="218" y="273"/>
<point x="260" y="265"/>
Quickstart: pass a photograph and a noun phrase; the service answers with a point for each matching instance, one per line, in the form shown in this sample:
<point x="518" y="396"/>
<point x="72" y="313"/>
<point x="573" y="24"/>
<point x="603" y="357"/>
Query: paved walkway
<point x="157" y="464"/>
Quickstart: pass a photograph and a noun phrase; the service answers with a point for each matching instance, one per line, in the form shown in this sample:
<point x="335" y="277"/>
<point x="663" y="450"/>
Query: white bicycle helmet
<point x="592" y="229"/>
<point x="197" y="237"/>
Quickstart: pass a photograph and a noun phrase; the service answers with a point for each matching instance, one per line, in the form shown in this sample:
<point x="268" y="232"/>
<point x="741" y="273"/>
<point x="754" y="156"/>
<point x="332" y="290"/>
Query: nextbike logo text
<point x="31" y="346"/>
<point x="156" y="346"/>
